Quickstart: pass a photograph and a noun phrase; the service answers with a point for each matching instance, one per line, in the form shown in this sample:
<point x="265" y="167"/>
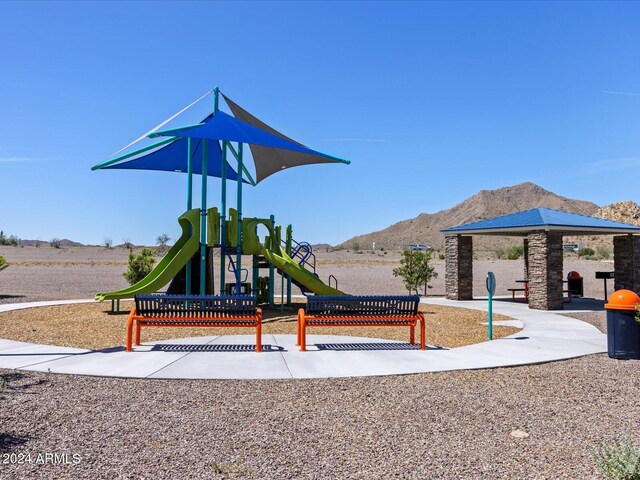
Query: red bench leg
<point x="303" y="334"/>
<point x="259" y="331"/>
<point x="412" y="334"/>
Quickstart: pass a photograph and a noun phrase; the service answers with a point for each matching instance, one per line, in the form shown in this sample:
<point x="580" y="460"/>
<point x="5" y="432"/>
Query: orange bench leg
<point x="259" y="331"/>
<point x="423" y="339"/>
<point x="303" y="334"/>
<point x="412" y="335"/>
<point x="130" y="323"/>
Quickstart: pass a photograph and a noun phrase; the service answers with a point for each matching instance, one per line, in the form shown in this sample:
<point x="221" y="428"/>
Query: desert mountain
<point x="425" y="228"/>
<point x="625" y="212"/>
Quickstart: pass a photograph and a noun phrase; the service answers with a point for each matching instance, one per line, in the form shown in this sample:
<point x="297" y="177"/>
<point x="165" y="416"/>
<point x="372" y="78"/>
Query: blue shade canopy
<point x="272" y="151"/>
<point x="521" y="223"/>
<point x="173" y="157"/>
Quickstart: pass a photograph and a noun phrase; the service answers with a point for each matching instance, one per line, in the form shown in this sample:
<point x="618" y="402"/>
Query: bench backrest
<point x="163" y="305"/>
<point x="366" y="306"/>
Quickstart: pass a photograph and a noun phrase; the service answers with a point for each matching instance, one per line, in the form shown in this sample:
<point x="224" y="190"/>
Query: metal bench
<point x="346" y="311"/>
<point x="160" y="310"/>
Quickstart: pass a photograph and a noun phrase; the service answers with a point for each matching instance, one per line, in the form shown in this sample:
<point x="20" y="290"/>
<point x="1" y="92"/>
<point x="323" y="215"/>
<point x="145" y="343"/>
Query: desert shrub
<point x="356" y="247"/>
<point x="139" y="265"/>
<point x="586" y="252"/>
<point x="415" y="270"/>
<point x="515" y="252"/>
<point x="107" y="242"/>
<point x="55" y="242"/>
<point x="441" y="256"/>
<point x="3" y="261"/>
<point x="603" y="252"/>
<point x="500" y="253"/>
<point x="619" y="460"/>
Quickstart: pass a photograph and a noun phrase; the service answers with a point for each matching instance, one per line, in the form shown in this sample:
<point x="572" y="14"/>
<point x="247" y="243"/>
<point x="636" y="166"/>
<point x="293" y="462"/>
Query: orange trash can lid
<point x="574" y="276"/>
<point x="623" y="300"/>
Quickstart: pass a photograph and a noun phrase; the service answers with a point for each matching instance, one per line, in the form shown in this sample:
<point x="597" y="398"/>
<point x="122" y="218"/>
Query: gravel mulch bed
<point x="93" y="326"/>
<point x="442" y="425"/>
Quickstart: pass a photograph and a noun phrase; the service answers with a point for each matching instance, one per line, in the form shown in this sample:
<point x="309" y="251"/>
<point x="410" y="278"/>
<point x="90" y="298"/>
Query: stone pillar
<point x="459" y="267"/>
<point x="545" y="270"/>
<point x="626" y="262"/>
<point x="525" y="244"/>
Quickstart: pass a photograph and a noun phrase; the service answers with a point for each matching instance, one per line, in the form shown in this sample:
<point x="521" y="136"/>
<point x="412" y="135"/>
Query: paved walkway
<point x="546" y="336"/>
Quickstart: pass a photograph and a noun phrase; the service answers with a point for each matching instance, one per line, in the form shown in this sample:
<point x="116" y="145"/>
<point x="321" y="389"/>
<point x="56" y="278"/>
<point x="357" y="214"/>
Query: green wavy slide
<point x="176" y="258"/>
<point x="278" y="257"/>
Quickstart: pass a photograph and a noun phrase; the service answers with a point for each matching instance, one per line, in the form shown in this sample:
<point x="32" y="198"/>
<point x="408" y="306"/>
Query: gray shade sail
<point x="269" y="160"/>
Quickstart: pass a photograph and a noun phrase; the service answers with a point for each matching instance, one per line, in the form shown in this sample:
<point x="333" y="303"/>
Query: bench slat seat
<point x="163" y="310"/>
<point x="361" y="311"/>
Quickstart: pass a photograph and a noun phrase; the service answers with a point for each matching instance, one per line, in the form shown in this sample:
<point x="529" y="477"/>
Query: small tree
<point x="107" y="242"/>
<point x="139" y="265"/>
<point x="55" y="242"/>
<point x="356" y="247"/>
<point x="162" y="241"/>
<point x="126" y="243"/>
<point x="415" y="270"/>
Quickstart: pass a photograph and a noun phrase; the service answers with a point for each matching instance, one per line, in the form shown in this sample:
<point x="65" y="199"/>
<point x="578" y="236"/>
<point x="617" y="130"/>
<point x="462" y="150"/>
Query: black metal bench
<point x="364" y="311"/>
<point x="161" y="310"/>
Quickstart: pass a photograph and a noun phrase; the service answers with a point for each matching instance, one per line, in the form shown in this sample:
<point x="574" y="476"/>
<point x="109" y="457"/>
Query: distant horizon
<point x="430" y="101"/>
<point x="118" y="244"/>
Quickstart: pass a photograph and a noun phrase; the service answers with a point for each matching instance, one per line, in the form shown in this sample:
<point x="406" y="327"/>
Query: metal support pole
<point x="189" y="207"/>
<point x="239" y="208"/>
<point x="223" y="216"/>
<point x="203" y="222"/>
<point x="289" y="241"/>
<point x="271" y="269"/>
<point x="256" y="275"/>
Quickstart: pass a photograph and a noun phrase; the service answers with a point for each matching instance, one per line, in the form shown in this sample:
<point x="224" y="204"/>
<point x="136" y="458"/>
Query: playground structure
<point x="205" y="229"/>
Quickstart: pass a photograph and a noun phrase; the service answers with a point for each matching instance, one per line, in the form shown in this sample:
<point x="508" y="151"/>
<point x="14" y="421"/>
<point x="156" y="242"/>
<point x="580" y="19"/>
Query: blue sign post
<point x="491" y="288"/>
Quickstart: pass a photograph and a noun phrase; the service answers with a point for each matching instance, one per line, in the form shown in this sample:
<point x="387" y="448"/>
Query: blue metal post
<point x="239" y="207"/>
<point x="189" y="207"/>
<point x="203" y="222"/>
<point x="491" y="288"/>
<point x="223" y="216"/>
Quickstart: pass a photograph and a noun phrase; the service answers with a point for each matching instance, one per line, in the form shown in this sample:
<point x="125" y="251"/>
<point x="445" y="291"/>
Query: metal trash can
<point x="623" y="331"/>
<point x="575" y="283"/>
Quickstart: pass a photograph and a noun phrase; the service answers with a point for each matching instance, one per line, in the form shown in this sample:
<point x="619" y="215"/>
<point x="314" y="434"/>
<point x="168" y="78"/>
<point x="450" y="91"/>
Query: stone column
<point x="545" y="270"/>
<point x="525" y="244"/>
<point x="459" y="267"/>
<point x="626" y="262"/>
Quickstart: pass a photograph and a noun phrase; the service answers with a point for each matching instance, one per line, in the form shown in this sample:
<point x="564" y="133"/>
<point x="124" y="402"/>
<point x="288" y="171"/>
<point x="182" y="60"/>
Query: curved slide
<point x="285" y="263"/>
<point x="176" y="258"/>
<point x="251" y="245"/>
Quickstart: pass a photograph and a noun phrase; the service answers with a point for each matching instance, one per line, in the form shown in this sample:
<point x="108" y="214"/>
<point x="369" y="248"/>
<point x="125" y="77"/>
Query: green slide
<point x="278" y="256"/>
<point x="176" y="258"/>
<point x="285" y="263"/>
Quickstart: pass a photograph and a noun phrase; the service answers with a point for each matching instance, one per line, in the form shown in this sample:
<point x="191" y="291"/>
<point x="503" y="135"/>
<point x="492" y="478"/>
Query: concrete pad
<point x="545" y="336"/>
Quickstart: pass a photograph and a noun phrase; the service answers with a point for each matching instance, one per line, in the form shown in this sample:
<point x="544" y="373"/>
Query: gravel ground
<point x="442" y="425"/>
<point x="36" y="273"/>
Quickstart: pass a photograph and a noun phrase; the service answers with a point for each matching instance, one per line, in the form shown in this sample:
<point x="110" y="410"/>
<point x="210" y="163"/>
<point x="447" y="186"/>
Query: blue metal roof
<point x="543" y="219"/>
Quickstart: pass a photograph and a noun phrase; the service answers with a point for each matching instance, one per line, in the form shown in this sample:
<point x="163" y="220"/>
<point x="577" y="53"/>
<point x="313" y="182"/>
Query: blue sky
<point x="431" y="102"/>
